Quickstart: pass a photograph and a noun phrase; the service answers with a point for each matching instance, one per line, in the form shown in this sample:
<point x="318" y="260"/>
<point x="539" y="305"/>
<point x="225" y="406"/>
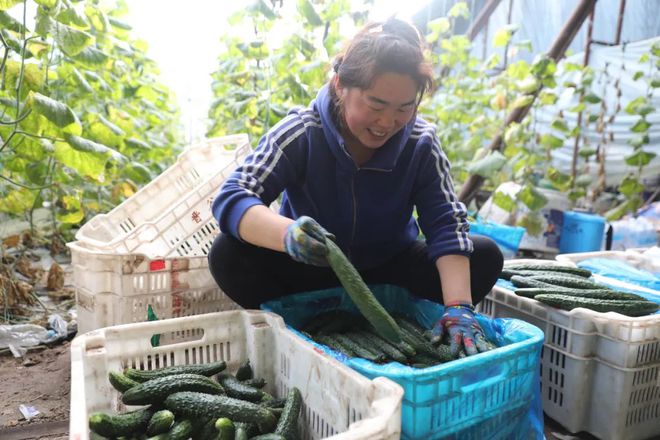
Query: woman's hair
<point x="392" y="46"/>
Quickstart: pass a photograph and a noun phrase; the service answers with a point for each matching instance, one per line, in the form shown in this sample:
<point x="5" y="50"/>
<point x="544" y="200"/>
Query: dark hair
<point x="392" y="46"/>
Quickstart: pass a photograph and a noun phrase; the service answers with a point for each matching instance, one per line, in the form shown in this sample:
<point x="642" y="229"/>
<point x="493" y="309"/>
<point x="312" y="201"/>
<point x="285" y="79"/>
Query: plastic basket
<point x="599" y="371"/>
<point x="610" y="402"/>
<point x="139" y="219"/>
<point x="337" y="402"/>
<point x="481" y="396"/>
<point x="116" y="289"/>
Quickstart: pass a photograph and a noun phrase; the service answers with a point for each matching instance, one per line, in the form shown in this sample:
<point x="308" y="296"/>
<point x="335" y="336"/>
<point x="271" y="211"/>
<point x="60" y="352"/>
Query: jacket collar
<point x="384" y="159"/>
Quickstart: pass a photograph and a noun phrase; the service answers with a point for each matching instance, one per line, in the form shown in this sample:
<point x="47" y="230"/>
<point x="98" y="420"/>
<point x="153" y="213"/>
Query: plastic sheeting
<point x="539" y="22"/>
<point x="523" y="423"/>
<point x="623" y="271"/>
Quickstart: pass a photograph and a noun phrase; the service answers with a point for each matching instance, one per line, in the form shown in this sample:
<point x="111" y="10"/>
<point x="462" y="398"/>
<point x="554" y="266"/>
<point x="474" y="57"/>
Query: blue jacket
<point x="369" y="208"/>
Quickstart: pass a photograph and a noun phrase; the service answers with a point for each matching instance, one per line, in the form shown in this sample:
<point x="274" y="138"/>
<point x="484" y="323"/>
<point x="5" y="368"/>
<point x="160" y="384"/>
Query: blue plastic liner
<point x="507" y="237"/>
<point x="492" y="395"/>
<point x="621" y="270"/>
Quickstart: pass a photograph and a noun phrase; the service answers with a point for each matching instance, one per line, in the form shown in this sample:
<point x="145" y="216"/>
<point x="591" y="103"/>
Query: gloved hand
<point x="464" y="331"/>
<point x="304" y="241"/>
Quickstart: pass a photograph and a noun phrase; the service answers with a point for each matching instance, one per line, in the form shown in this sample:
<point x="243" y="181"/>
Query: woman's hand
<point x="460" y="324"/>
<point x="304" y="241"/>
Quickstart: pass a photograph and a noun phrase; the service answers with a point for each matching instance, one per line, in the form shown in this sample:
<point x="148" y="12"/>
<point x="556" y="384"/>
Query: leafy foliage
<point x="84" y="121"/>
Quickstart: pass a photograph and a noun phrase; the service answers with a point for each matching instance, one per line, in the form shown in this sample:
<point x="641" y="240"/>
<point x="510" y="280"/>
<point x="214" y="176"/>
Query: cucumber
<point x="226" y="429"/>
<point x="121" y="382"/>
<point x="624" y="307"/>
<point x="334" y="344"/>
<point x="549" y="268"/>
<point x="508" y="273"/>
<point x="366" y="344"/>
<point x="520" y="281"/>
<point x="245" y="372"/>
<point x="572" y="282"/>
<point x="244" y="431"/>
<point x="531" y="292"/>
<point x="237" y="389"/>
<point x="390" y="351"/>
<point x="207" y="431"/>
<point x="363" y="298"/>
<point x="160" y="422"/>
<point x="118" y="425"/>
<point x="359" y="351"/>
<point x="199" y="405"/>
<point x="156" y="390"/>
<point x="269" y="436"/>
<point x="208" y="369"/>
<point x="257" y="382"/>
<point x="287" y="426"/>
<point x="181" y="430"/>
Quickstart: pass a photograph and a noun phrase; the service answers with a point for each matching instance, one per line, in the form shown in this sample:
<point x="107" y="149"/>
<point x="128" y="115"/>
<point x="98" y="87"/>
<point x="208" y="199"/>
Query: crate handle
<point x="499" y="377"/>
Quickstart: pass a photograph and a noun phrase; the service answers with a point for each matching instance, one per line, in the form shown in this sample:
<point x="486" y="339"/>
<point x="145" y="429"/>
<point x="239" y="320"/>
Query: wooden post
<point x="556" y="52"/>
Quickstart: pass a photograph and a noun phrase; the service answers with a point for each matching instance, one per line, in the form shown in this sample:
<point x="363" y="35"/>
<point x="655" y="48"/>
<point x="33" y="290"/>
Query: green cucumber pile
<point x="567" y="288"/>
<point x="355" y="337"/>
<point x="199" y="402"/>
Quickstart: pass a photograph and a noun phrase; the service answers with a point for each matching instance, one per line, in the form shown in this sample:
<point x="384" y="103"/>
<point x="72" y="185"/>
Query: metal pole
<point x="619" y="22"/>
<point x="482" y="19"/>
<point x="556" y="52"/>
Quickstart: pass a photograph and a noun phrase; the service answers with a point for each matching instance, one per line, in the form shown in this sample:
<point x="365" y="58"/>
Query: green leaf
<point x="639" y="158"/>
<point x="70" y="210"/>
<point x="71" y="41"/>
<point x="119" y="24"/>
<point x="137" y="143"/>
<point x="592" y="98"/>
<point x="459" y="9"/>
<point x="532" y="223"/>
<point x="9" y="23"/>
<point x="71" y="17"/>
<point x="587" y="151"/>
<point x="503" y="35"/>
<point x="559" y="180"/>
<point x="655" y="82"/>
<point x="91" y="57"/>
<point x="637" y="75"/>
<point x="547" y="98"/>
<point x="489" y="165"/>
<point x="551" y="141"/>
<point x="56" y="112"/>
<point x="618" y="211"/>
<point x="306" y="9"/>
<point x="655" y="49"/>
<point x="583" y="180"/>
<point x="560" y="125"/>
<point x="17" y="200"/>
<point x="7" y="4"/>
<point x="100" y="21"/>
<point x="261" y="7"/>
<point x="634" y="106"/>
<point x="138" y="173"/>
<point x="639" y="140"/>
<point x="630" y="186"/>
<point x="640" y="126"/>
<point x="47" y="3"/>
<point x="528" y="85"/>
<point x="532" y="198"/>
<point x="504" y="201"/>
<point x="522" y="101"/>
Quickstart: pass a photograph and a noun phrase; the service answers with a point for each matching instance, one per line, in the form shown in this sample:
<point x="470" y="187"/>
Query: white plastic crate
<point x="207" y="163"/>
<point x="610" y="402"/>
<point x="337" y="402"/>
<point x="116" y="289"/>
<point x="600" y="371"/>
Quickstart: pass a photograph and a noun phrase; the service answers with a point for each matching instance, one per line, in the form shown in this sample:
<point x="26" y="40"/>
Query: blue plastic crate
<point x="492" y="395"/>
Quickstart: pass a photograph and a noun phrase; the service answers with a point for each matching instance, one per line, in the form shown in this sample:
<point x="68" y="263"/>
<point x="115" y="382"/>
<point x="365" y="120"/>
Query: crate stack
<point x="151" y="249"/>
<point x="600" y="372"/>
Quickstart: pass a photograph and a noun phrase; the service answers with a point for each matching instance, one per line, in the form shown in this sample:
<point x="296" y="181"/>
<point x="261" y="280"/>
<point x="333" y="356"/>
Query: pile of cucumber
<point x="199" y="402"/>
<point x="567" y="288"/>
<point x="353" y="336"/>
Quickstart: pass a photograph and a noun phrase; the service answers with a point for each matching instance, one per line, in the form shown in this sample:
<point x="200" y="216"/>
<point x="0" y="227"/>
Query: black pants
<point x="251" y="275"/>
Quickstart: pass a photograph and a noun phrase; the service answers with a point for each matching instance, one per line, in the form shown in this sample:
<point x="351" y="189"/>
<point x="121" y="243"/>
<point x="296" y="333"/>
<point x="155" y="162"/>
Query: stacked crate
<point x="600" y="372"/>
<point x="151" y="249"/>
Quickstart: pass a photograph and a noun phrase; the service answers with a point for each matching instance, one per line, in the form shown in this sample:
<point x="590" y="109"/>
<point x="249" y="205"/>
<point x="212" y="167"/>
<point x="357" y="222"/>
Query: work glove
<point x="304" y="241"/>
<point x="460" y="324"/>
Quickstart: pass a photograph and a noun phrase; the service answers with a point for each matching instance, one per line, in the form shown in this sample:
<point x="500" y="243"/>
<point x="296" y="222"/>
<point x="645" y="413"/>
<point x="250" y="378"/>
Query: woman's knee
<point x="485" y="265"/>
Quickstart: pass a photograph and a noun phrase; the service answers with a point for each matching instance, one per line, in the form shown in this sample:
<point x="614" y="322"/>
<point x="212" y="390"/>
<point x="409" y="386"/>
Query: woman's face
<point x="374" y="115"/>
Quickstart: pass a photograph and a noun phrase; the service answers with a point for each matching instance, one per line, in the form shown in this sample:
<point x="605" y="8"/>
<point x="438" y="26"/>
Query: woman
<point x="356" y="163"/>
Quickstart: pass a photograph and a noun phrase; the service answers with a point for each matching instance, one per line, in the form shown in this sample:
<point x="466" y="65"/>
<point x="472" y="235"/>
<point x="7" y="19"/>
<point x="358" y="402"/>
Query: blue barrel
<point x="581" y="232"/>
